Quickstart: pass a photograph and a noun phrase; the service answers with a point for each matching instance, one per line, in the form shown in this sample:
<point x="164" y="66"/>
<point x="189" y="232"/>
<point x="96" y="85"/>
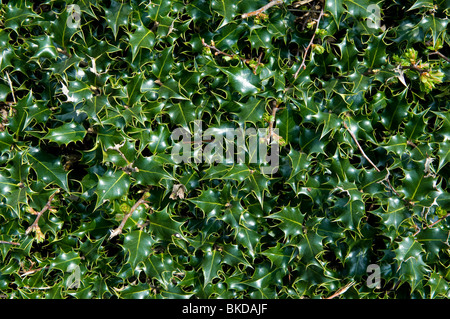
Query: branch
<point x="11" y="87"/>
<point x="32" y="271"/>
<point x="129" y="168"/>
<point x="432" y="224"/>
<point x="258" y="64"/>
<point x="440" y="55"/>
<point x="47" y="206"/>
<point x="118" y="230"/>
<point x="360" y="148"/>
<point x="63" y="52"/>
<point x="415" y="68"/>
<point x="262" y="9"/>
<point x="393" y="189"/>
<point x="272" y="121"/>
<point x="9" y="243"/>
<point x="342" y="290"/>
<point x="301" y="3"/>
<point x="368" y="159"/>
<point x="303" y="65"/>
<point x="248" y="61"/>
<point x="212" y="47"/>
<point x="411" y="144"/>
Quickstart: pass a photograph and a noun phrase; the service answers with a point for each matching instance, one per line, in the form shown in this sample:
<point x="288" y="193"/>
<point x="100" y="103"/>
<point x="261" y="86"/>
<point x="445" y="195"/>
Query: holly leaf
<point x="438" y="285"/>
<point x="226" y="9"/>
<point x="6" y="141"/>
<point x="408" y="248"/>
<point x="160" y="267"/>
<point x="242" y="80"/>
<point x="396" y="111"/>
<point x="139" y="291"/>
<point x="434" y="240"/>
<point x="164" y="63"/>
<point x="141" y="38"/>
<point x="375" y="52"/>
<point x="264" y="276"/>
<point x="394" y="214"/>
<point x="444" y="154"/>
<point x="209" y="202"/>
<point x="280" y="255"/>
<point x="417" y="185"/>
<point x="112" y="185"/>
<point x="150" y="171"/>
<point x="413" y="271"/>
<point x="66" y="261"/>
<point x="17" y="16"/>
<point x="261" y="38"/>
<point x="352" y="212"/>
<point x="66" y="133"/>
<point x="211" y="265"/>
<point x="309" y="247"/>
<point x="248" y="238"/>
<point x="138" y="244"/>
<point x="61" y="30"/>
<point x="252" y="111"/>
<point x="359" y="9"/>
<point x="238" y="172"/>
<point x="233" y="256"/>
<point x="19" y="121"/>
<point x="292" y="220"/>
<point x="48" y="167"/>
<point x="415" y="127"/>
<point x="257" y="183"/>
<point x="117" y="15"/>
<point x="336" y="8"/>
<point x="163" y="226"/>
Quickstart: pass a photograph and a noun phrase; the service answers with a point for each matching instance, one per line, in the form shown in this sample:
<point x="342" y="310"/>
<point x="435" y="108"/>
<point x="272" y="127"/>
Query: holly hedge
<point x="353" y="95"/>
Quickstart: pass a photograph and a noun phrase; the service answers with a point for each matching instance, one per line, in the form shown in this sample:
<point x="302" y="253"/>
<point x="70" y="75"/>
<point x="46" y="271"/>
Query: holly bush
<point x="354" y="94"/>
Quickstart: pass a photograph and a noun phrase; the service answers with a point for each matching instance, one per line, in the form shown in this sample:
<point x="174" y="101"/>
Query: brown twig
<point x="440" y="55"/>
<point x="442" y="218"/>
<point x="414" y="68"/>
<point x="32" y="271"/>
<point x="411" y="144"/>
<point x="368" y="159"/>
<point x="341" y="290"/>
<point x="303" y="65"/>
<point x="432" y="224"/>
<point x="47" y="206"/>
<point x="118" y="230"/>
<point x="11" y="87"/>
<point x="64" y="52"/>
<point x="129" y="168"/>
<point x="393" y="189"/>
<point x="301" y="3"/>
<point x="360" y="148"/>
<point x="258" y="63"/>
<point x="262" y="9"/>
<point x="272" y="120"/>
<point x="9" y="243"/>
<point x="299" y="10"/>
<point x="220" y="52"/>
<point x="212" y="47"/>
<point x="38" y="288"/>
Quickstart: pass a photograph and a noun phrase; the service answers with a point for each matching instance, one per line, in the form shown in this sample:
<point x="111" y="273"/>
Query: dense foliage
<point x="90" y="95"/>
